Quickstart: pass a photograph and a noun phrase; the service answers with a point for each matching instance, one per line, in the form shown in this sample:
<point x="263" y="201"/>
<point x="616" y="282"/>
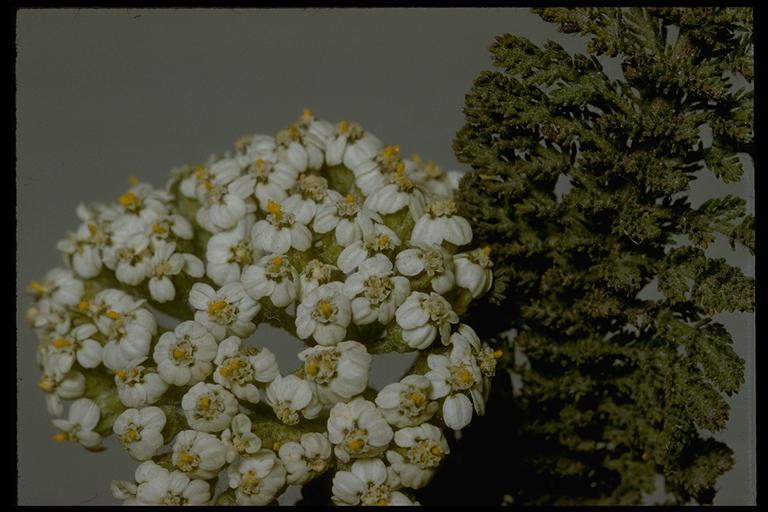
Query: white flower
<point x="350" y="145"/>
<point x="373" y="174"/>
<point x="258" y="479"/>
<point x="209" y="407"/>
<point x="423" y="316"/>
<point x="440" y="222"/>
<point x="59" y="384"/>
<point x="221" y="206"/>
<point x="280" y="232"/>
<point x="473" y="271"/>
<point x="140" y="431"/>
<point x="158" y="486"/>
<point x="49" y="318"/>
<point x="381" y="240"/>
<point x="452" y="377"/>
<point x="240" y="370"/>
<point x="83" y="417"/>
<point x="368" y="483"/>
<point x="195" y="182"/>
<point x="485" y="356"/>
<point x="311" y="191"/>
<point x="358" y="430"/>
<point x="125" y="491"/>
<point x="305" y="141"/>
<point x="198" y="453"/>
<point x="315" y="274"/>
<point x="227" y="311"/>
<point x="166" y="262"/>
<point x="348" y="220"/>
<point x="60" y="285"/>
<point x="291" y="398"/>
<point x="184" y="355"/>
<point x="128" y="327"/>
<point x="171" y="227"/>
<point x="143" y="202"/>
<point x="433" y="178"/>
<point x="83" y="255"/>
<point x="406" y="403"/>
<point x="240" y="439"/>
<point x="422" y="451"/>
<point x="228" y="253"/>
<point x="432" y="260"/>
<point x="324" y="314"/>
<point x="129" y="256"/>
<point x="375" y="292"/>
<point x="399" y="194"/>
<point x="266" y="178"/>
<point x="337" y="373"/>
<point x="77" y="345"/>
<point x="306" y="460"/>
<point x="138" y="386"/>
<point x="272" y="276"/>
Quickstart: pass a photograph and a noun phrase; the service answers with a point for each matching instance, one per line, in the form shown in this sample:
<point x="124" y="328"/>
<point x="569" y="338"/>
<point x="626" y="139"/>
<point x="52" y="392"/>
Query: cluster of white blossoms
<point x="322" y="231"/>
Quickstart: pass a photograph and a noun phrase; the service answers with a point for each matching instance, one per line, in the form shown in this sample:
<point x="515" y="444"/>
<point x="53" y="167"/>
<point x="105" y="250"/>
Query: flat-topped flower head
<point x="375" y="173"/>
<point x="407" y="403"/>
<point x="130" y="256"/>
<point x="473" y="270"/>
<point x="184" y="356"/>
<point x="170" y="228"/>
<point x="369" y="483"/>
<point x="422" y="317"/>
<point x="350" y="145"/>
<point x="60" y="286"/>
<point x="380" y="240"/>
<point x="440" y="222"/>
<point x="140" y="431"/>
<point x="138" y="386"/>
<point x="239" y="439"/>
<point x="230" y="252"/>
<point x="226" y="311"/>
<point x="375" y="292"/>
<point x="243" y="370"/>
<point x="291" y="398"/>
<point x="306" y="459"/>
<point x="337" y="373"/>
<point x="358" y="430"/>
<point x="83" y="417"/>
<point x="315" y="274"/>
<point x="143" y="201"/>
<point x="128" y="327"/>
<point x="258" y="479"/>
<point x="280" y="231"/>
<point x="324" y="314"/>
<point x="430" y="260"/>
<point x="420" y="450"/>
<point x="198" y="454"/>
<point x="274" y="277"/>
<point x="209" y="407"/>
<point x="81" y="253"/>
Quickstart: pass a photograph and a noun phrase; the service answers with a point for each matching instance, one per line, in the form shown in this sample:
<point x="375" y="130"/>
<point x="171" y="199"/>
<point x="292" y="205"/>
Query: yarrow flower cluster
<point x="321" y="230"/>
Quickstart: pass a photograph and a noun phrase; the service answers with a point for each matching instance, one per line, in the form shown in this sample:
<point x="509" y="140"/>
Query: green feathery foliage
<point x="616" y="388"/>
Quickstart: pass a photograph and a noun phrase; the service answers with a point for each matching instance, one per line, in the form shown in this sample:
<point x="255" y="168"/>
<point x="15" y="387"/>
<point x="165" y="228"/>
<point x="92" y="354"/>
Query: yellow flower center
<point x="159" y="229"/>
<point x="61" y="436"/>
<point x="275" y="446"/>
<point x="343" y="127"/>
<point x="498" y="353"/>
<point x="61" y="343"/>
<point x="312" y="368"/>
<point x="91" y="228"/>
<point x="486" y="251"/>
<point x="83" y="305"/>
<point x="120" y="374"/>
<point x="128" y="200"/>
<point x="275" y="265"/>
<point x="46" y="384"/>
<point x="417" y="398"/>
<point x="133" y="180"/>
<point x="349" y="199"/>
<point x="306" y="116"/>
<point x="275" y="209"/>
<point x="112" y="314"/>
<point x="37" y="287"/>
<point x="325" y="307"/>
<point x="355" y="444"/>
<point x="216" y="306"/>
<point x="204" y="402"/>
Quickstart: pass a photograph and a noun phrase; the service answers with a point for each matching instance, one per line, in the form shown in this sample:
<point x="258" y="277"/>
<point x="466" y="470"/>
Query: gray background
<point x="104" y="94"/>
